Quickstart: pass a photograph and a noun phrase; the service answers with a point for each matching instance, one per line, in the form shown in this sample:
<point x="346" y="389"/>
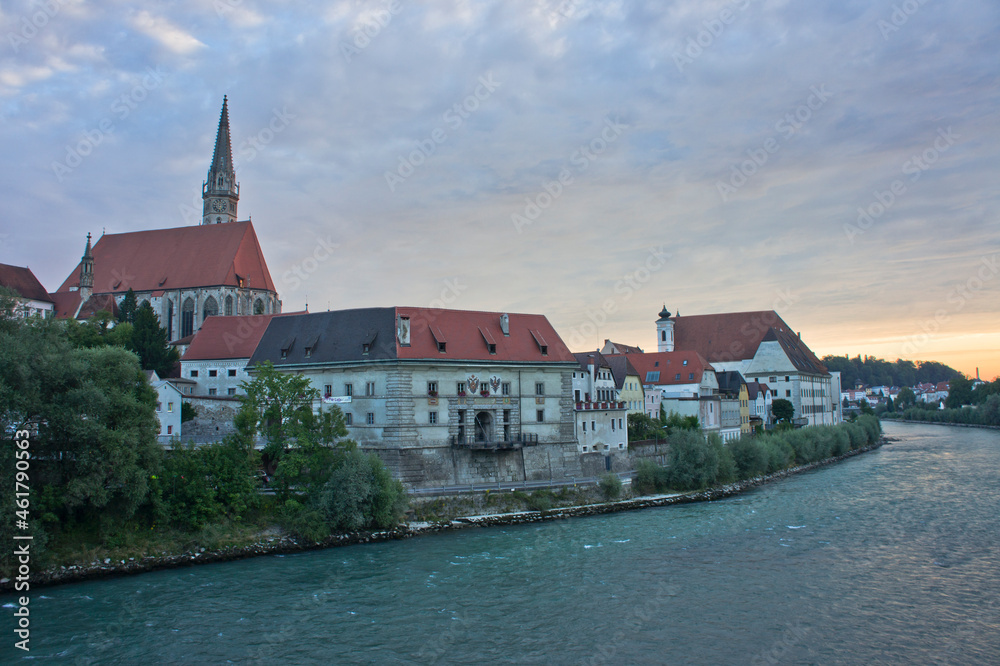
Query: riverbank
<point x="273" y="544"/>
<point x="956" y="425"/>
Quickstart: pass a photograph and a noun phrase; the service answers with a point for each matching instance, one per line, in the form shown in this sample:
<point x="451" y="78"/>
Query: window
<point x="492" y="347"/>
<point x="348" y="418"/>
<point x="677" y="376"/>
<point x="194" y="373"/>
<point x="685" y="362"/>
<point x="690" y="375"/>
<point x="772" y="379"/>
<point x="585" y="449"/>
<point x="460" y="388"/>
<point x="540" y="415"/>
<point x="577" y="394"/>
<point x="619" y="424"/>
<point x="612" y="425"/>
<point x="539" y="389"/>
<point x="653" y="376"/>
<point x="170" y="406"/>
<point x="284" y="353"/>
<point x="432" y="418"/>
<point x="788" y="394"/>
<point x="774" y="393"/>
<point x="159" y="406"/>
<point x="348" y="389"/>
<point x="593" y="426"/>
<point x="170" y="430"/>
<point x="213" y="373"/>
<point x="232" y="373"/>
<point x="370" y="419"/>
<point x="369" y="388"/>
<point x="231" y="391"/>
<point x="212" y="391"/>
<point x="365" y="348"/>
<point x="506" y="416"/>
<point x="432" y="388"/>
<point x="585" y="428"/>
<point x="787" y="379"/>
<point x="328" y="390"/>
<point x="309" y="352"/>
<point x="505" y="388"/>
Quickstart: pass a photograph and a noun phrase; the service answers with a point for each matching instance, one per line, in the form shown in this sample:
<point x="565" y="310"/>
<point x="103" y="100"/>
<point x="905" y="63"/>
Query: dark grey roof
<point x="620" y="367"/>
<point x="729" y="381"/>
<point x="332" y="337"/>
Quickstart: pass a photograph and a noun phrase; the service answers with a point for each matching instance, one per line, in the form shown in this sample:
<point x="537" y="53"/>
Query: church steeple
<point x="220" y="192"/>
<point x="87" y="273"/>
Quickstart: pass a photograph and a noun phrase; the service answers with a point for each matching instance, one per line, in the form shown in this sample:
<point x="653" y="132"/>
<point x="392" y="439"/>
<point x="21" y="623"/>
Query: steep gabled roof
<point x="66" y="305"/>
<point x="24" y="282"/>
<point x="228" y="337"/>
<point x="369" y="334"/>
<point x="729" y="381"/>
<point x="621" y="367"/>
<point x="182" y="258"/>
<point x="619" y="348"/>
<point x="583" y="358"/>
<point x="663" y="368"/>
<point x="735" y="336"/>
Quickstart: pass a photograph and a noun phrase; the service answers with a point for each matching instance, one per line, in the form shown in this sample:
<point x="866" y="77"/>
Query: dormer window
<point x="309" y="352"/>
<point x="441" y="347"/>
<point x="366" y="347"/>
<point x="685" y="362"/>
<point x="492" y="347"/>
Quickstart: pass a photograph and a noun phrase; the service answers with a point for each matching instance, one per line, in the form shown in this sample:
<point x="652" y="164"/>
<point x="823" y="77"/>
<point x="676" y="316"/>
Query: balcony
<point x="586" y="406"/>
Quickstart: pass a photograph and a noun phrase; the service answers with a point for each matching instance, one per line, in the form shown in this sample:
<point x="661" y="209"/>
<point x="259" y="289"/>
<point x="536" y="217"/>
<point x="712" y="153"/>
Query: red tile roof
<point x="669" y="365"/>
<point x="467" y="332"/>
<point x="228" y="337"/>
<point x="24" y="282"/>
<point x="735" y="336"/>
<point x="182" y="258"/>
<point x="66" y="304"/>
<point x="622" y="349"/>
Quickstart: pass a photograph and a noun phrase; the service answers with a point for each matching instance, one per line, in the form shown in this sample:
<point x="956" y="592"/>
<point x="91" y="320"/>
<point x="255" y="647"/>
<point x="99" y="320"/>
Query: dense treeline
<point x="873" y="371"/>
<point x="99" y="479"/>
<point x="987" y="413"/>
<point x="695" y="463"/>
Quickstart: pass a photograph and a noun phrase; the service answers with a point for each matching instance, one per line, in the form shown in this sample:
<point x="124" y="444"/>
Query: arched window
<point x="245" y="305"/>
<point x="258" y="307"/>
<point x="187" y="318"/>
<point x="170" y="319"/>
<point x="211" y="308"/>
<point x="229" y="306"/>
<point x="220" y="181"/>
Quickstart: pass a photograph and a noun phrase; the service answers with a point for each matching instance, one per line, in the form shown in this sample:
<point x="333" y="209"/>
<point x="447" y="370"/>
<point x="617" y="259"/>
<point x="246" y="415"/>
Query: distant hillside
<point x="873" y="371"/>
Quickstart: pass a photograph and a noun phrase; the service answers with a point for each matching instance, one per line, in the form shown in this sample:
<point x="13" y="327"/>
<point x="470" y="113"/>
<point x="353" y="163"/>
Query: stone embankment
<point x="274" y="545"/>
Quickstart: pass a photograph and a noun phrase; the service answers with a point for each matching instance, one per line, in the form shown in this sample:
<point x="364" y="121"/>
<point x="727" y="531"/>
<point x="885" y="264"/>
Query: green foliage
<point x="188" y="412"/>
<point x="149" y="342"/>
<point x="750" y="457"/>
<point x="693" y="462"/>
<point x="128" y="307"/>
<point x="201" y="485"/>
<point x="361" y="494"/>
<point x="905" y="398"/>
<point x="959" y="392"/>
<point x="642" y="427"/>
<point x="303" y="521"/>
<point x="675" y="422"/>
<point x="611" y="486"/>
<point x="783" y="410"/>
<point x="277" y="405"/>
<point x="650" y="478"/>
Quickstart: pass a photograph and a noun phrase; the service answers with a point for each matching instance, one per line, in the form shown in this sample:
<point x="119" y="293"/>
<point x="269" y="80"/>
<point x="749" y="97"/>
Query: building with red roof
<point x="761" y="347"/>
<point x="682" y="382"/>
<point x="408" y="377"/>
<point x="32" y="295"/>
<point x="187" y="274"/>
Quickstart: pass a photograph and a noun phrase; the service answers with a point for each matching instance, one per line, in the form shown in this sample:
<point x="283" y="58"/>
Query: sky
<point x="833" y="160"/>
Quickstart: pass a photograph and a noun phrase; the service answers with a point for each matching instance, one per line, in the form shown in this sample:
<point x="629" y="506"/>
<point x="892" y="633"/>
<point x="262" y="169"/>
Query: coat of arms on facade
<point x="473" y="383"/>
<point x="495" y="383"/>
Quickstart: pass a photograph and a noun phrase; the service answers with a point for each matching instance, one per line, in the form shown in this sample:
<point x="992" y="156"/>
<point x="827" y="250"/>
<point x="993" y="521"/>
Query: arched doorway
<point x="484" y="427"/>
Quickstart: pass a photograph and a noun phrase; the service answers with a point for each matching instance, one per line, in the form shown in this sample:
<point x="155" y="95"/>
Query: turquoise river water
<point x="891" y="557"/>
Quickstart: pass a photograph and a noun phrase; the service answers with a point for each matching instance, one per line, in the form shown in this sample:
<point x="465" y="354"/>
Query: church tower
<point x="220" y="192"/>
<point x="664" y="331"/>
<point x="87" y="273"/>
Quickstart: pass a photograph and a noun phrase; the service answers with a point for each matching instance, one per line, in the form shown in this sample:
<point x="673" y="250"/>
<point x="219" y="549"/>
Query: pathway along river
<point x="888" y="557"/>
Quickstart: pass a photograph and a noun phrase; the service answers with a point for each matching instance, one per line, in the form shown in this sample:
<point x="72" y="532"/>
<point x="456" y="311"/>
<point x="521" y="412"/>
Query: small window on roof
<point x="441" y="347"/>
<point x="365" y="347"/>
<point x="653" y="376"/>
<point x="492" y="347"/>
<point x="685" y="362"/>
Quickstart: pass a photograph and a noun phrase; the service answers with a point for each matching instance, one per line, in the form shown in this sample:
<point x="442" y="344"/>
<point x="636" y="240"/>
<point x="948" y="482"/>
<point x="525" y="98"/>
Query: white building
<point x="601" y="419"/>
<point x="681" y="382"/>
<point x="168" y="408"/>
<point x="217" y="357"/>
<point x="762" y="347"/>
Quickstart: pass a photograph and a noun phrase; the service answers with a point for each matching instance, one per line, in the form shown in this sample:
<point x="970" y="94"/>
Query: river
<point x="889" y="557"/>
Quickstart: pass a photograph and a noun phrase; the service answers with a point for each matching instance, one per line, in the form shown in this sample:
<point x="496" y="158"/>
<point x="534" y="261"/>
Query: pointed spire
<point x="222" y="158"/>
<point x="664" y="313"/>
<point x="221" y="192"/>
<point x="87" y="272"/>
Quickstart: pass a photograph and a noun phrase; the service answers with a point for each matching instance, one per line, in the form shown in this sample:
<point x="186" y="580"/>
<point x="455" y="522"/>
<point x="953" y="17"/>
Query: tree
<point x="642" y="427"/>
<point x="889" y="407"/>
<point x="847" y="403"/>
<point x="905" y="398"/>
<point x="128" y="308"/>
<point x="361" y="494"/>
<point x="149" y="342"/>
<point x="783" y="410"/>
<point x="276" y="405"/>
<point x="959" y="392"/>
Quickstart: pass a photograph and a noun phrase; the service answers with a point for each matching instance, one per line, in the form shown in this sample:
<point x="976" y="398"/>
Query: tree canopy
<point x="872" y="371"/>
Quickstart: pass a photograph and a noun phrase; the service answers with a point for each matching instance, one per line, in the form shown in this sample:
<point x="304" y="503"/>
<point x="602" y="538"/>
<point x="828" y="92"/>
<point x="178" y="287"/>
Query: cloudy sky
<point x="835" y="160"/>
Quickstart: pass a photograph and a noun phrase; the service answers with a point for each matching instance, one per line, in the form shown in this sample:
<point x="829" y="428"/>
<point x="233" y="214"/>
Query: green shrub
<point x="693" y="462"/>
<point x="540" y="500"/>
<point x="725" y="467"/>
<point x="650" y="478"/>
<point x="611" y="486"/>
<point x="750" y="456"/>
<point x="302" y="521"/>
<point x="361" y="494"/>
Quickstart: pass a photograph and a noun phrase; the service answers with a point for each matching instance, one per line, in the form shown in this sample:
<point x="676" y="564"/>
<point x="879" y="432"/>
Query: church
<point x="187" y="274"/>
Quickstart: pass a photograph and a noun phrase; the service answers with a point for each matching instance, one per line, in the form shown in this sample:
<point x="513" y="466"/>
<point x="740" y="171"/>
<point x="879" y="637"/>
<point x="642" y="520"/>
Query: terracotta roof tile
<point x="181" y="258"/>
<point x="228" y="337"/>
<point x="24" y="282"/>
<point x="663" y="368"/>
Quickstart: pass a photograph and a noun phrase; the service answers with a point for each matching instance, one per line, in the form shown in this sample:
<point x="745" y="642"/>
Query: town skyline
<point x="834" y="163"/>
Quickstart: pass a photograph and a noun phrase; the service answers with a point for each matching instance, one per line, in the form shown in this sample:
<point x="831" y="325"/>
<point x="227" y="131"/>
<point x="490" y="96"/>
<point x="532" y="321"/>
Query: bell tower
<point x="220" y="192"/>
<point x="664" y="331"/>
